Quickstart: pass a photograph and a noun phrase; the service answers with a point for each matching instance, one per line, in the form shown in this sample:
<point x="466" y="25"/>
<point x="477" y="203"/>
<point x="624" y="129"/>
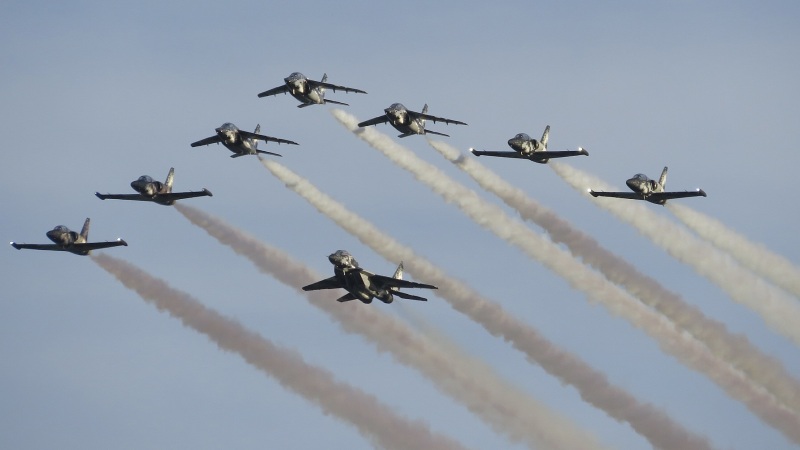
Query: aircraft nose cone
<point x="633" y="184"/>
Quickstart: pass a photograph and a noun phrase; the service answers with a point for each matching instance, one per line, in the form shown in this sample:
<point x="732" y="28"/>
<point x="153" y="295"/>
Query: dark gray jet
<point x="309" y="92"/>
<point x="525" y="147"/>
<point x="67" y="240"/>
<point x="363" y="285"/>
<point x="408" y="122"/>
<point x="150" y="190"/>
<point x="651" y="190"/>
<point x="240" y="142"/>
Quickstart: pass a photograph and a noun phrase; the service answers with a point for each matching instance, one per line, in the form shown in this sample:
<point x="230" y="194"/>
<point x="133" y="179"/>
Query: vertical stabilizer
<point x="256" y="131"/>
<point x="662" y="180"/>
<point x="170" y="177"/>
<point x="398" y="274"/>
<point x="85" y="231"/>
<point x="545" y="136"/>
<point x="324" y="77"/>
<point x="425" y="109"/>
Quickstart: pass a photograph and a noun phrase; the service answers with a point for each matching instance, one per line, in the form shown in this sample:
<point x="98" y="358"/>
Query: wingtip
<point x="207" y="192"/>
<point x="122" y="241"/>
<point x="15" y="245"/>
<point x="702" y="192"/>
<point x="100" y="196"/>
<point x="592" y="193"/>
<point x="583" y="151"/>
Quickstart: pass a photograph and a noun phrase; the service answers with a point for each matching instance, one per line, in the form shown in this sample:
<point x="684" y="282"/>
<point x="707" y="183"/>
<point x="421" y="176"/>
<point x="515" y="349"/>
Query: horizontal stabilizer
<point x="336" y="103"/>
<point x="409" y="296"/>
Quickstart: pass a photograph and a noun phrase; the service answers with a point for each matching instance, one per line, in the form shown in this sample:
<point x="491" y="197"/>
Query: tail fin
<point x="662" y="180"/>
<point x="170" y="178"/>
<point x="545" y="136"/>
<point x="324" y="77"/>
<point x="85" y="230"/>
<point x="425" y="109"/>
<point x="256" y="131"/>
<point x="398" y="274"/>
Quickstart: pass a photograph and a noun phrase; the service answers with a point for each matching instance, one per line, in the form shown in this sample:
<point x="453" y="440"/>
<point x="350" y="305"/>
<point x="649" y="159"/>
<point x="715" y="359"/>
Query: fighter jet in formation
<point x="363" y="285"/>
<point x="408" y="122"/>
<point x="309" y="92"/>
<point x="240" y="142"/>
<point x="150" y="190"/>
<point x="525" y="147"/>
<point x="651" y="190"/>
<point x="67" y="240"/>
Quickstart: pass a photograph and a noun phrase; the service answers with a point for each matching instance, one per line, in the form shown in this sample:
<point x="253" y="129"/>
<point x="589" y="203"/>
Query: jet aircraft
<point x="66" y="240"/>
<point x="155" y="191"/>
<point x="309" y="92"/>
<point x="525" y="147"/>
<point x="363" y="285"/>
<point x="240" y="142"/>
<point x="408" y="122"/>
<point x="651" y="190"/>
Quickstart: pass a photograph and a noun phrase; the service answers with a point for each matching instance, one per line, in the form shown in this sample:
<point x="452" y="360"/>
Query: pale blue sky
<point x="95" y="94"/>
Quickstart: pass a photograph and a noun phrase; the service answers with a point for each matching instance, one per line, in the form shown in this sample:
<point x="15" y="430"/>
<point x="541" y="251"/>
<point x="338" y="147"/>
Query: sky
<point x="95" y="94"/>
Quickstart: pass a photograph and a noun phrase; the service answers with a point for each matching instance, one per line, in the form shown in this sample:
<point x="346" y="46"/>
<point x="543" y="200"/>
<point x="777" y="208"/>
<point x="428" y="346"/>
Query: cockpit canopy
<point x="397" y="106"/>
<point x="61" y="229"/>
<point x="641" y="177"/>
<point x="145" y="179"/>
<point x="228" y="126"/>
<point x="522" y="136"/>
<point x="294" y="76"/>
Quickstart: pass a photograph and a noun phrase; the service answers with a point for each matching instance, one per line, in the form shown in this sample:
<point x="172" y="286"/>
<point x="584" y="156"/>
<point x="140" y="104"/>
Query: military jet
<point x="150" y="190"/>
<point x="363" y="285"/>
<point x="240" y="142"/>
<point x="309" y="92"/>
<point x="67" y="240"/>
<point x="651" y="190"/>
<point x="525" y="147"/>
<point x="408" y="122"/>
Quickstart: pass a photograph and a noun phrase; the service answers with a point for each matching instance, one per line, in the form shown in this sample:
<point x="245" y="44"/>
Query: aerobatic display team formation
<point x="759" y="381"/>
<point x="359" y="284"/>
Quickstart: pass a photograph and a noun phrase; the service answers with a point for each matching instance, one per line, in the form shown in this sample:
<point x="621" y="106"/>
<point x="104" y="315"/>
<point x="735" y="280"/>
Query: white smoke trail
<point x="779" y="311"/>
<point x="754" y="256"/>
<point x="736" y="349"/>
<point x="687" y="350"/>
<point x="374" y="420"/>
<point x="507" y="409"/>
<point x="659" y="429"/>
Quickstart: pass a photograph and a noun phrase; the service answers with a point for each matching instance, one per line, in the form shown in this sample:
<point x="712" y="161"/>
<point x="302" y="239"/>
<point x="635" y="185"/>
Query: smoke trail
<point x="507" y="409"/>
<point x="374" y="420"/>
<point x="733" y="348"/>
<point x="778" y="310"/>
<point x="594" y="387"/>
<point x="754" y="256"/>
<point x="687" y="350"/>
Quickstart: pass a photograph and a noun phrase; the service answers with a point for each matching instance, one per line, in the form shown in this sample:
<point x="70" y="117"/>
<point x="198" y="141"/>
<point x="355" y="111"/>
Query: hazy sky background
<point x="95" y="94"/>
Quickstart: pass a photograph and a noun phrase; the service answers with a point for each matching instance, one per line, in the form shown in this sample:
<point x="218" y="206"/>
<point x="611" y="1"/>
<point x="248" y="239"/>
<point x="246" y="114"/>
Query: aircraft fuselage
<point x="525" y="145"/>
<point x="400" y="119"/>
<point x="300" y="89"/>
<point x="147" y="186"/>
<point x="355" y="280"/>
<point x="233" y="141"/>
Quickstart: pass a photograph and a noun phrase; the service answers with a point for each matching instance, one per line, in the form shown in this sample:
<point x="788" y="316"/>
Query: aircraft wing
<point x="516" y="155"/>
<point x="206" y="141"/>
<point x="435" y="119"/>
<point x="375" y="121"/>
<point x="52" y="247"/>
<point x="87" y="246"/>
<point x="332" y="87"/>
<point x="275" y="91"/>
<point x="327" y="283"/>
<point x="658" y="196"/>
<point x="630" y="195"/>
<point x="388" y="282"/>
<point x="559" y="154"/>
<point x="138" y="197"/>
<point x="181" y="195"/>
<point x="265" y="138"/>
